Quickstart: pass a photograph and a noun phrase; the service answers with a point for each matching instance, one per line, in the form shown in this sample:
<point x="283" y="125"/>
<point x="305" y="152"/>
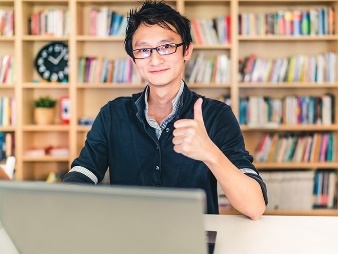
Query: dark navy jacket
<point x="121" y="140"/>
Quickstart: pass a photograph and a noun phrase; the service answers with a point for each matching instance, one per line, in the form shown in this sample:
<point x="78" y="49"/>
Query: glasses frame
<point x="157" y="49"/>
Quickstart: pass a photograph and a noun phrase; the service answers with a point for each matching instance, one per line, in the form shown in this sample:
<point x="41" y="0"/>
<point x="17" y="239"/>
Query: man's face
<point x="160" y="70"/>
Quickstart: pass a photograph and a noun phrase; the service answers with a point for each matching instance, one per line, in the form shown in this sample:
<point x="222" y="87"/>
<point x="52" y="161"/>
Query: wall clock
<point x="51" y="62"/>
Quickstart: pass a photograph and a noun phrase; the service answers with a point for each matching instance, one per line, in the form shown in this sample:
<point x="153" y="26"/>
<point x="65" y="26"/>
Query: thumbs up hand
<point x="190" y="136"/>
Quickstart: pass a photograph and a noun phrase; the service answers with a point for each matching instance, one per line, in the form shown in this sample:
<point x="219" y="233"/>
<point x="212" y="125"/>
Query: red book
<point x="93" y="21"/>
<point x="228" y="27"/>
<point x="197" y="31"/>
<point x="288" y="16"/>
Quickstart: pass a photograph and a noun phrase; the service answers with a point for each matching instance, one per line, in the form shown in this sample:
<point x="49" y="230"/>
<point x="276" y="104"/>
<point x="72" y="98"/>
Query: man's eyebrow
<point x="163" y="41"/>
<point x="141" y="43"/>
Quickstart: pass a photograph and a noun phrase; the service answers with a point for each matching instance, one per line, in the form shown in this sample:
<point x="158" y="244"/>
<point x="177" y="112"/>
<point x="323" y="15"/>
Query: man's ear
<point x="188" y="52"/>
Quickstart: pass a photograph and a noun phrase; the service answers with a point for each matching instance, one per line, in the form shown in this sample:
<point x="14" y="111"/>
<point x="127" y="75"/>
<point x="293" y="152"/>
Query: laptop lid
<point x="62" y="218"/>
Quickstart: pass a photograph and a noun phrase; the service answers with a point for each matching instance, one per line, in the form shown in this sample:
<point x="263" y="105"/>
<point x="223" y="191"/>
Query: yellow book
<point x="273" y="148"/>
<point x="291" y="69"/>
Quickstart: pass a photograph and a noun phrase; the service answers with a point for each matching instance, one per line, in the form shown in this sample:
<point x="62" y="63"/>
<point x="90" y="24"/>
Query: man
<point x="168" y="135"/>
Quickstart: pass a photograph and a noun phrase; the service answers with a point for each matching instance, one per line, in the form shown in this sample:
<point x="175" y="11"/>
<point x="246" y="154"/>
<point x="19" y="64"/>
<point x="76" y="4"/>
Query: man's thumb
<point x="198" y="110"/>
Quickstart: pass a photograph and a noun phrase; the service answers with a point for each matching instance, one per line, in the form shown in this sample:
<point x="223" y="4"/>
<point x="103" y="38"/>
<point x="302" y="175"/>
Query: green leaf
<point x="45" y="102"/>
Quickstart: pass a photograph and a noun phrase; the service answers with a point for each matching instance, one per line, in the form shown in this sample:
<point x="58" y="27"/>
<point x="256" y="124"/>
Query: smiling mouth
<point x="158" y="71"/>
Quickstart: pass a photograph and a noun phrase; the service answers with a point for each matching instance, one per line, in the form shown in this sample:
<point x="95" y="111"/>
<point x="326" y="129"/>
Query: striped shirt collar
<point x="160" y="127"/>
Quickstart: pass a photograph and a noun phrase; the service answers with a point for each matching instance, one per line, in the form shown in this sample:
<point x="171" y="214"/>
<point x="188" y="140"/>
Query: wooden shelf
<point x="46" y="159"/>
<point x="45" y="85"/>
<point x="269" y="85"/>
<point x="45" y="128"/>
<point x="212" y="46"/>
<point x="87" y="98"/>
<point x="109" y="86"/>
<point x="290" y="128"/>
<point x="34" y="38"/>
<point x="6" y="39"/>
<point x="88" y="38"/>
<point x="288" y="38"/>
<point x="296" y="166"/>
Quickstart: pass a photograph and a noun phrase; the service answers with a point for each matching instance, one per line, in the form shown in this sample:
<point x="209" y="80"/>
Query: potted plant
<point x="44" y="110"/>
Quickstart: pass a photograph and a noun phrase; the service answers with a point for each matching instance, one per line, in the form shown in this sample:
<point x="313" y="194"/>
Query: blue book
<point x="115" y="25"/>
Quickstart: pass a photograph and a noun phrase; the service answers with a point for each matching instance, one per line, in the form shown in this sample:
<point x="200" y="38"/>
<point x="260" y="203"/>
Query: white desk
<point x="274" y="234"/>
<point x="271" y="234"/>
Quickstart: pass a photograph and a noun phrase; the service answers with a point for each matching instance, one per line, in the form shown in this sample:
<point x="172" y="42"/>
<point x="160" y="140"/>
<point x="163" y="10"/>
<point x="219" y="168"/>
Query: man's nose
<point x="155" y="57"/>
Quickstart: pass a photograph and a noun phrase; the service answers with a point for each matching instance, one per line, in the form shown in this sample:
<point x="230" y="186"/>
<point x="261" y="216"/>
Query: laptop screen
<point x="41" y="217"/>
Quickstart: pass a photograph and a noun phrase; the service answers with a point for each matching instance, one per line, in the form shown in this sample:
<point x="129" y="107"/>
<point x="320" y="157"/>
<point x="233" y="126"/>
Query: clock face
<point x="52" y="62"/>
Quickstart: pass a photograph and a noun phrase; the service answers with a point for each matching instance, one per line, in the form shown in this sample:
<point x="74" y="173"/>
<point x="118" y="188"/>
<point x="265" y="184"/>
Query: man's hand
<point x="190" y="136"/>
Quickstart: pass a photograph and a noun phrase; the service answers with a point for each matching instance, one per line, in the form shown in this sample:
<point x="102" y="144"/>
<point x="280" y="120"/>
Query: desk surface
<point x="271" y="234"/>
<point x="274" y="234"/>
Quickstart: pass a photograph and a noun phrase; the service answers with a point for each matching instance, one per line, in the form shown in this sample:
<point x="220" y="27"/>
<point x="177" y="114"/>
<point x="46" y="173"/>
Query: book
<point x="316" y="147"/>
<point x="273" y="148"/>
<point x="197" y="32"/>
<point x="59" y="152"/>
<point x="116" y="20"/>
<point x="197" y="67"/>
<point x="35" y="152"/>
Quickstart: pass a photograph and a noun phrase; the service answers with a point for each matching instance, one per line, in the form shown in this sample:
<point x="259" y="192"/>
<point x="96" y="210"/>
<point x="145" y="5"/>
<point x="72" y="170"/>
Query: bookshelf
<point x="274" y="46"/>
<point x="87" y="97"/>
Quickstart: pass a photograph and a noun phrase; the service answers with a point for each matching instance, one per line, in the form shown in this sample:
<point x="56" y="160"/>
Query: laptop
<point x="62" y="218"/>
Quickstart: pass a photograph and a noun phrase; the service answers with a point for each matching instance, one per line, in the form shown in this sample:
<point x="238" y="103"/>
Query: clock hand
<point x="52" y="59"/>
<point x="57" y="60"/>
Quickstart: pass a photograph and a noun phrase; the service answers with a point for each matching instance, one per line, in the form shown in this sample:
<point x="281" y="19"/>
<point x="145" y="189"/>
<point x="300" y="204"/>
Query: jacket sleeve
<point x="92" y="163"/>
<point x="76" y="177"/>
<point x="227" y="135"/>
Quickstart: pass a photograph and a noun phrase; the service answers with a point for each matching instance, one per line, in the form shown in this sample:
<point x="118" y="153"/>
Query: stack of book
<point x="314" y="147"/>
<point x="208" y="69"/>
<point x="289" y="190"/>
<point x="6" y="69"/>
<point x="6" y="22"/>
<point x="54" y="22"/>
<point x="312" y="21"/>
<point x="316" y="68"/>
<point x="105" y="22"/>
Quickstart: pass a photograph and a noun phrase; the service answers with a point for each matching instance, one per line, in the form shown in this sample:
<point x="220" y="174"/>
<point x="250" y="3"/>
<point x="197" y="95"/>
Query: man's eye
<point x="145" y="50"/>
<point x="166" y="46"/>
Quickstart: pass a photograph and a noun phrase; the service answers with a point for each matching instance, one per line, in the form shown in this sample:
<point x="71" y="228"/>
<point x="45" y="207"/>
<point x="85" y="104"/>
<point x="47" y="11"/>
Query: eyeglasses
<point x="166" y="49"/>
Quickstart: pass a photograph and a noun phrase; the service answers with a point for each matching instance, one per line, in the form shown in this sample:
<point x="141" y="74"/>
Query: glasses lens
<point x="166" y="49"/>
<point x="142" y="53"/>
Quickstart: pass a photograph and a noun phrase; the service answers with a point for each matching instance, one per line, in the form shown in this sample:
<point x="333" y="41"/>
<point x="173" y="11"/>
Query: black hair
<point x="157" y="13"/>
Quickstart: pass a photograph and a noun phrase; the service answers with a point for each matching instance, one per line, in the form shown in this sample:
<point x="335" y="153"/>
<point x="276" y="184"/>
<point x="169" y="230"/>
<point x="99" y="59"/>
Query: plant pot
<point x="43" y="116"/>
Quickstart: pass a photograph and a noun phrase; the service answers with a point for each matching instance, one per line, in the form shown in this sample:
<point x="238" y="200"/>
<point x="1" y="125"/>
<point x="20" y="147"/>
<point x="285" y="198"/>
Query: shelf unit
<point x="276" y="46"/>
<point x="86" y="99"/>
